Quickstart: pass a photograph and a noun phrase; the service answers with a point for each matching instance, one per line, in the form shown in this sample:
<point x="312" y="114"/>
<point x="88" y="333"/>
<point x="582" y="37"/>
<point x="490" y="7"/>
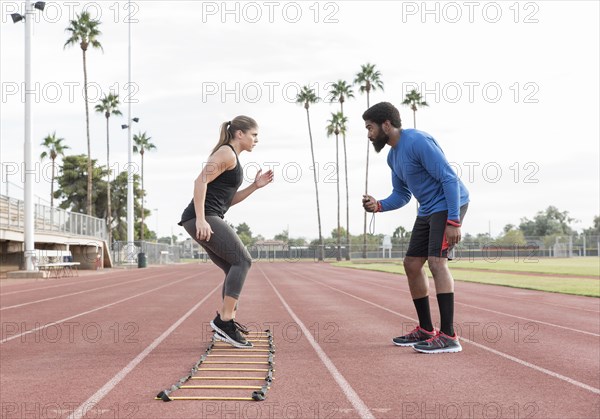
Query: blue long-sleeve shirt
<point x="419" y="168"/>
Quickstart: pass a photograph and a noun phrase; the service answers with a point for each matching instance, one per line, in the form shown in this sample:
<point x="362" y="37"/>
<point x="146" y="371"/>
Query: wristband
<point x="379" y="209"/>
<point x="453" y="223"/>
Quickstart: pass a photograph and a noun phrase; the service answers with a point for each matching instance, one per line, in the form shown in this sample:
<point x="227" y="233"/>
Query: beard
<point x="380" y="141"/>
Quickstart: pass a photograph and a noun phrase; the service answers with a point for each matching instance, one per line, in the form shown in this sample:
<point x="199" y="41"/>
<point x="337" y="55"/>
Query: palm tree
<point x="84" y="31"/>
<point x="142" y="144"/>
<point x="340" y="91"/>
<point x="307" y="97"/>
<point x="54" y="148"/>
<point x="337" y="125"/>
<point x="109" y="106"/>
<point x="369" y="79"/>
<point x="414" y="100"/>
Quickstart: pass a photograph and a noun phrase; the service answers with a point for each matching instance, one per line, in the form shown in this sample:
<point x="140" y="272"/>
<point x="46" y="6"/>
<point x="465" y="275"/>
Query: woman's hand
<point x="203" y="230"/>
<point x="263" y="179"/>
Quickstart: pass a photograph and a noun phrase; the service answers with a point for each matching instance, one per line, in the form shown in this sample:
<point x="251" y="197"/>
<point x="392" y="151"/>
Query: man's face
<point x="376" y="135"/>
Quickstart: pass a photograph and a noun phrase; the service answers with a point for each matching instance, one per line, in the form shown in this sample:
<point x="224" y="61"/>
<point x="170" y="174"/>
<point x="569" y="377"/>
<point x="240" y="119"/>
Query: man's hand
<point x="370" y="204"/>
<point x="452" y="235"/>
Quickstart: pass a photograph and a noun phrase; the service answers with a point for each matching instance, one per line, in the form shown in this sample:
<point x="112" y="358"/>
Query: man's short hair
<point x="381" y="112"/>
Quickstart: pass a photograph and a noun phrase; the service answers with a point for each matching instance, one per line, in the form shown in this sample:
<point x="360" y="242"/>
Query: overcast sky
<point x="512" y="87"/>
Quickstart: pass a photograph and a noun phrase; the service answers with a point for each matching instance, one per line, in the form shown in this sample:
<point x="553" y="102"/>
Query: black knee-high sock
<point x="446" y="304"/>
<point x="424" y="313"/>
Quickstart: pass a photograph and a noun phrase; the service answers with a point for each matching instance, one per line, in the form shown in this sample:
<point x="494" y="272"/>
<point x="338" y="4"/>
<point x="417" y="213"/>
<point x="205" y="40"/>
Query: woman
<point x="215" y="190"/>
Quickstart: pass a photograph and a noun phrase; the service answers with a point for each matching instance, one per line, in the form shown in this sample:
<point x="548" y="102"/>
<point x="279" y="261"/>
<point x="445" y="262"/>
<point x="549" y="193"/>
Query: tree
<point x="109" y="106"/>
<point x="141" y="145"/>
<point x="54" y="148"/>
<point x="414" y="100"/>
<point x="511" y="238"/>
<point x="284" y="236"/>
<point x="547" y="223"/>
<point x="119" y="207"/>
<point x="73" y="182"/>
<point x="399" y="233"/>
<point x="245" y="234"/>
<point x="340" y="91"/>
<point x="337" y="125"/>
<point x="595" y="230"/>
<point x="84" y="31"/>
<point x="308" y="97"/>
<point x="369" y="79"/>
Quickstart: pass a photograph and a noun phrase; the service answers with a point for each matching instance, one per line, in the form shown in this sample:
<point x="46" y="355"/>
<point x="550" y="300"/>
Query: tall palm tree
<point x="340" y="91"/>
<point x="337" y="125"/>
<point x="369" y="80"/>
<point x="308" y="97"/>
<point x="109" y="105"/>
<point x="84" y="31"/>
<point x="54" y="148"/>
<point x="414" y="100"/>
<point x="142" y="144"/>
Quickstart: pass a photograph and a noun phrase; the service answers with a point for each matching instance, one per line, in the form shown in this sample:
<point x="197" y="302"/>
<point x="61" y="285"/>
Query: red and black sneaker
<point x="438" y="344"/>
<point x="418" y="334"/>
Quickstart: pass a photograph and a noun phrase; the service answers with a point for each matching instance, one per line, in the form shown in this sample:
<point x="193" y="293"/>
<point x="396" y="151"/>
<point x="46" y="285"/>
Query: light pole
<point x="29" y="229"/>
<point x="130" y="172"/>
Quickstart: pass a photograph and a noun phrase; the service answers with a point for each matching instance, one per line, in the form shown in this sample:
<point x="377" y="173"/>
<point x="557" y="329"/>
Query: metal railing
<point x="49" y="219"/>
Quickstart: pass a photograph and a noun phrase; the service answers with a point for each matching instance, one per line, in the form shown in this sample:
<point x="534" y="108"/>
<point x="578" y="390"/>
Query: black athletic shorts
<point x="428" y="236"/>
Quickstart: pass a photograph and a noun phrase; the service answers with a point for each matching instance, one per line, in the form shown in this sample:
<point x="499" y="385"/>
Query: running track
<point x="102" y="346"/>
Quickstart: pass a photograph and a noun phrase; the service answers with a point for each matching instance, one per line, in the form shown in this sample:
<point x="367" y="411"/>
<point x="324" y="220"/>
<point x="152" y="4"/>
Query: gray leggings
<point x="227" y="251"/>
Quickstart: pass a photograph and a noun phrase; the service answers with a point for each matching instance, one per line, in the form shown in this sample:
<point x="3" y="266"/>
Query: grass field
<point x="578" y="276"/>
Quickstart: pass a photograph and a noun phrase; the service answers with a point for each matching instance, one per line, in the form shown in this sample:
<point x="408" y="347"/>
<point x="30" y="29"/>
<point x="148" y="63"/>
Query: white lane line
<point x="80" y="280"/>
<point x="90" y="403"/>
<point x="525" y="291"/>
<point x="502" y="354"/>
<point x="492" y="311"/>
<point x="78" y="292"/>
<point x="351" y="395"/>
<point x="93" y="310"/>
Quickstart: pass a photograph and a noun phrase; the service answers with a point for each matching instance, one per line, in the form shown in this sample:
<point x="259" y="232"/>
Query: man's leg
<point x="444" y="288"/>
<point x="418" y="284"/>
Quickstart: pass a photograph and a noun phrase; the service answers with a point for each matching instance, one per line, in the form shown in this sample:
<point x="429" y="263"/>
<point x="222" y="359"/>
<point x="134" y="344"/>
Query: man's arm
<point x="399" y="197"/>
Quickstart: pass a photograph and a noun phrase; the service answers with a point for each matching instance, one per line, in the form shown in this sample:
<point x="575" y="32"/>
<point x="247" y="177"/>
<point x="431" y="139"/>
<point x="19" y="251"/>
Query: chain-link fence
<point x="487" y="249"/>
<point x="126" y="253"/>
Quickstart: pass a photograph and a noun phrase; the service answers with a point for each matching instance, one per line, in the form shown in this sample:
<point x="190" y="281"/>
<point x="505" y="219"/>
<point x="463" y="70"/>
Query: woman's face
<point x="249" y="138"/>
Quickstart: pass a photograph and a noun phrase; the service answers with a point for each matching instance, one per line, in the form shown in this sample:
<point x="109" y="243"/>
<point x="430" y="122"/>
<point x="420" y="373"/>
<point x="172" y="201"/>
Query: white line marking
<point x="351" y="395"/>
<point x="91" y="311"/>
<point x="502" y="354"/>
<point x="78" y="292"/>
<point x="493" y="311"/>
<point x="531" y="293"/>
<point x="90" y="403"/>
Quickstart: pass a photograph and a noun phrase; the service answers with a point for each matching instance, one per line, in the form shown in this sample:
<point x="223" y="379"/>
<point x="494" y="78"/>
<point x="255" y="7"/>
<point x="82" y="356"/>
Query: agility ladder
<point x="220" y="354"/>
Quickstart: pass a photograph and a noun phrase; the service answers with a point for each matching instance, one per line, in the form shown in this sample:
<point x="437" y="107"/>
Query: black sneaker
<point x="440" y="343"/>
<point x="418" y="334"/>
<point x="230" y="332"/>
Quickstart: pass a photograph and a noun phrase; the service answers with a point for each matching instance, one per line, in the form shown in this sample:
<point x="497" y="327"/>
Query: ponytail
<point x="229" y="128"/>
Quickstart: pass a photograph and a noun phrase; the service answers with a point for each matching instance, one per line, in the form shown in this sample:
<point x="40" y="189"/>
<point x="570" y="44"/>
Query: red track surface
<point x="102" y="346"/>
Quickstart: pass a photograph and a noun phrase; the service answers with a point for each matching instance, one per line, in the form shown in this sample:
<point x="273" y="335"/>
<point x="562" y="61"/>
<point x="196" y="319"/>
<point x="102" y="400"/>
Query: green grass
<point x="588" y="266"/>
<point x="469" y="272"/>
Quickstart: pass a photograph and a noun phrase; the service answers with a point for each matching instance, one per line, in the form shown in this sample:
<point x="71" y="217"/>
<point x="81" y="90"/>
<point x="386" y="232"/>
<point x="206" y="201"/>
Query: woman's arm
<point x="222" y="160"/>
<point x="260" y="181"/>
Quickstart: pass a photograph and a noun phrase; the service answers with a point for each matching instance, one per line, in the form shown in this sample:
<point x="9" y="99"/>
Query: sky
<point x="512" y="87"/>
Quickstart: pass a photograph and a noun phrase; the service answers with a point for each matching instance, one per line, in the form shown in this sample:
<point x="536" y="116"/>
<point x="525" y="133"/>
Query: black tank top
<point x="219" y="193"/>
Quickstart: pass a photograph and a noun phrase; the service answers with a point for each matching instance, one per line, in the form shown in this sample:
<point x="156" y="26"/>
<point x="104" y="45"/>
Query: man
<point x="420" y="168"/>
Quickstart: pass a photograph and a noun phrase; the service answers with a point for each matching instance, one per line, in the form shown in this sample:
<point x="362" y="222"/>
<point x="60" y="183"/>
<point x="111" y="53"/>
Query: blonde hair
<point x="229" y="128"/>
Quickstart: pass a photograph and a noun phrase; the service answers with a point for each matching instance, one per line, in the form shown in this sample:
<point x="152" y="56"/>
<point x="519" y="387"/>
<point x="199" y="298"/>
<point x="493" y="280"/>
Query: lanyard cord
<point x="372" y="224"/>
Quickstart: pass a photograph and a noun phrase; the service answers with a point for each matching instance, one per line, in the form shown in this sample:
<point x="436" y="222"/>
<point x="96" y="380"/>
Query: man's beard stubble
<point x="380" y="142"/>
